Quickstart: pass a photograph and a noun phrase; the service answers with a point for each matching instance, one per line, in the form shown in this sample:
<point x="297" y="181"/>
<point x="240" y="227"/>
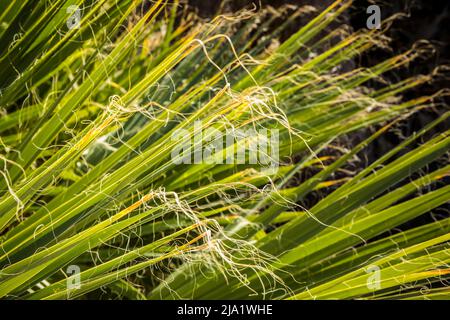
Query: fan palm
<point x="89" y="113"/>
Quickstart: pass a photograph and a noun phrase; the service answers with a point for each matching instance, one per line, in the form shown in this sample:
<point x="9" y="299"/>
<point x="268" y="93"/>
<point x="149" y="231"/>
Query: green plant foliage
<point x="87" y="178"/>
